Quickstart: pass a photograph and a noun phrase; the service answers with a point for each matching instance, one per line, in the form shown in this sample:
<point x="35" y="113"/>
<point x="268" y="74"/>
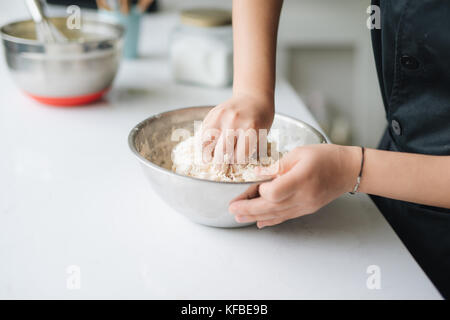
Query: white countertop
<point x="71" y="193"/>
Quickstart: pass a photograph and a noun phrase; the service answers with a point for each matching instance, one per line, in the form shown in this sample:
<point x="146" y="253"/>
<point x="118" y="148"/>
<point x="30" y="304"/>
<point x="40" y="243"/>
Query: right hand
<point x="242" y="111"/>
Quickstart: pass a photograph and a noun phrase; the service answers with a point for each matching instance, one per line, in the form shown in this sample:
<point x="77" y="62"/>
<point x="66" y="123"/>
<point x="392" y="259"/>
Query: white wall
<point x="324" y="45"/>
<point x="324" y="76"/>
<point x="319" y="38"/>
<point x="329" y="39"/>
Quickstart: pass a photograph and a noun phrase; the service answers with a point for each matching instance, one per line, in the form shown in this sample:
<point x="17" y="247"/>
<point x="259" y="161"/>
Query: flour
<point x="187" y="160"/>
<point x="156" y="144"/>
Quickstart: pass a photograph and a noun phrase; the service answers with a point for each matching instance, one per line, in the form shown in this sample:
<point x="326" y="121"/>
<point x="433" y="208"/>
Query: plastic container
<point x="201" y="48"/>
<point x="132" y="25"/>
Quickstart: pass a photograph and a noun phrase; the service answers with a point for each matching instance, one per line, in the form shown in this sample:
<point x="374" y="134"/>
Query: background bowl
<point x="202" y="201"/>
<point x="73" y="73"/>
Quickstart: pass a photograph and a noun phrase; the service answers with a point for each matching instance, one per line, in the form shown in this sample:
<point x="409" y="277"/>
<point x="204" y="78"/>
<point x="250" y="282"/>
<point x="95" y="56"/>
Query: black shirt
<point x="412" y="54"/>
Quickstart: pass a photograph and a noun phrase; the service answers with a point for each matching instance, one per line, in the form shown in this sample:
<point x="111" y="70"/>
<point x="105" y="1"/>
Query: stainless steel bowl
<point x="71" y="73"/>
<point x="202" y="201"/>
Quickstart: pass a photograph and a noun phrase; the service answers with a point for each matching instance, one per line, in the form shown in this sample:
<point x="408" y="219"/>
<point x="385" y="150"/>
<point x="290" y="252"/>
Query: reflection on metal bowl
<point x="73" y="73"/>
<point x="202" y="201"/>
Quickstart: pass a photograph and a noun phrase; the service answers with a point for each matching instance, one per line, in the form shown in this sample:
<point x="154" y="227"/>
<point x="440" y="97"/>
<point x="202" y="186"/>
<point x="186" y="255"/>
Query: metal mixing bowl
<point x="202" y="201"/>
<point x="72" y="73"/>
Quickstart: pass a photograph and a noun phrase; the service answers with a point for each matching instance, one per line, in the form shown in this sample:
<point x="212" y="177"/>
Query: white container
<point x="201" y="48"/>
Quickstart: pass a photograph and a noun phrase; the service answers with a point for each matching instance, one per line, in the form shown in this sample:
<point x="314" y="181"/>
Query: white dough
<point x="187" y="160"/>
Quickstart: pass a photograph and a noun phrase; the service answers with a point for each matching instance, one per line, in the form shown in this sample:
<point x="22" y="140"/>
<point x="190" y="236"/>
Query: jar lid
<point x="206" y="17"/>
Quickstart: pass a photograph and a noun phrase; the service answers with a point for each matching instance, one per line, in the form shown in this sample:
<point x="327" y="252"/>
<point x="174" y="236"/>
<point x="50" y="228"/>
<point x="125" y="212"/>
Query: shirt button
<point x="396" y="127"/>
<point x="409" y="62"/>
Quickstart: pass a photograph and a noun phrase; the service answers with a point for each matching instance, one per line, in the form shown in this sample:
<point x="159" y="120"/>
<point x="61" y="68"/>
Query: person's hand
<point x="308" y="178"/>
<point x="240" y="113"/>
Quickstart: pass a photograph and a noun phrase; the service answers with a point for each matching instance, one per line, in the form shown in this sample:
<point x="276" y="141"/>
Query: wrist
<point x="265" y="98"/>
<point x="351" y="163"/>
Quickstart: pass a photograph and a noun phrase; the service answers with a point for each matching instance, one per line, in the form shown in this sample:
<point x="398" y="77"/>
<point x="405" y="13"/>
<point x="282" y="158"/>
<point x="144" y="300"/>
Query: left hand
<point x="308" y="178"/>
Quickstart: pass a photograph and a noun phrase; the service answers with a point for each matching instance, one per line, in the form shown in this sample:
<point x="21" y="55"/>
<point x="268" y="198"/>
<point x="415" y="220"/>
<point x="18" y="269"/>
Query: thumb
<point x="280" y="167"/>
<point x="286" y="181"/>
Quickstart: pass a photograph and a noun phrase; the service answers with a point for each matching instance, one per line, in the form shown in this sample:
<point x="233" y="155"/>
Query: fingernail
<point x="241" y="218"/>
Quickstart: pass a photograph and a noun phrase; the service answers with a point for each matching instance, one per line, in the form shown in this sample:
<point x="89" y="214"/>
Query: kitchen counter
<point x="72" y="194"/>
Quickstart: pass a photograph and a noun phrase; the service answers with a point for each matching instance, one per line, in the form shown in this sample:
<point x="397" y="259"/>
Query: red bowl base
<point x="69" y="101"/>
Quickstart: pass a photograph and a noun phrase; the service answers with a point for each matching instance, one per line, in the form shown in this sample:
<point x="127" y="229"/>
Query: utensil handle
<point x="35" y="8"/>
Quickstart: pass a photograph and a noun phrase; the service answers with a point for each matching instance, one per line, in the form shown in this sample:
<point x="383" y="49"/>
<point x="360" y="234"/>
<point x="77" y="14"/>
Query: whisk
<point x="45" y="30"/>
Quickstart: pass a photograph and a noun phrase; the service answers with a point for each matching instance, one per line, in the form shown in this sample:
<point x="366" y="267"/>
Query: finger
<point x="213" y="117"/>
<point x="251" y="145"/>
<point x="287" y="162"/>
<point x="221" y="157"/>
<point x="282" y="217"/>
<point x="262" y="217"/>
<point x="280" y="167"/>
<point x="209" y="134"/>
<point x="208" y="151"/>
<point x="287" y="213"/>
<point x="209" y="139"/>
<point x="225" y="147"/>
<point x="282" y="187"/>
<point x="251" y="193"/>
<point x="263" y="146"/>
<point x="241" y="150"/>
<point x="219" y="149"/>
<point x="269" y="223"/>
<point x="231" y="137"/>
<point x="259" y="206"/>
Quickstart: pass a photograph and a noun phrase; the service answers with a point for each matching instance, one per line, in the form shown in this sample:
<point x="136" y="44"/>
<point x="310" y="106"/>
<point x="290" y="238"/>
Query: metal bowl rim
<point x="36" y="42"/>
<point x="138" y="127"/>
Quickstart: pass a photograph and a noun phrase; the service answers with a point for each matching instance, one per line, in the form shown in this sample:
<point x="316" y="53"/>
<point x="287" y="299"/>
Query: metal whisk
<point x="45" y="30"/>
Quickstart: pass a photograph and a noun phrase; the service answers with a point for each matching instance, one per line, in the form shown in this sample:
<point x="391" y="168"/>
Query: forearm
<point x="255" y="25"/>
<point x="417" y="178"/>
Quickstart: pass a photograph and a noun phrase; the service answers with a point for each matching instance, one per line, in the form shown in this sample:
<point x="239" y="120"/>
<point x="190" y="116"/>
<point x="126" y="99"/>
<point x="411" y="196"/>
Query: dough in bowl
<point x="187" y="160"/>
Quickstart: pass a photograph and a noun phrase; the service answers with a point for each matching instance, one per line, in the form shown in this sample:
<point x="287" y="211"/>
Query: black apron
<point x="412" y="54"/>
